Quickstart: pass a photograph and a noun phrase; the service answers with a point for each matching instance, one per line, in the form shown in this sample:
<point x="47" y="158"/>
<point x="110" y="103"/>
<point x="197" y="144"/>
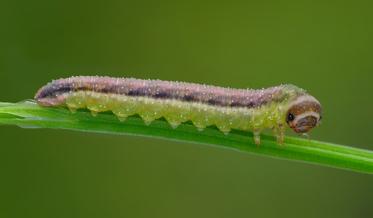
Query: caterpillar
<point x="177" y="102"/>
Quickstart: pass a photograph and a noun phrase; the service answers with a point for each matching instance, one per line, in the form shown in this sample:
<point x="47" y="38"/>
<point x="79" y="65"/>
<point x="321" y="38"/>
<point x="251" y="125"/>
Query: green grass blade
<point x="29" y="114"/>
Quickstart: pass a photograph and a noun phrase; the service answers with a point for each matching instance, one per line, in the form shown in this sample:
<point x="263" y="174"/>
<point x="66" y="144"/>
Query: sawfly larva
<point x="204" y="105"/>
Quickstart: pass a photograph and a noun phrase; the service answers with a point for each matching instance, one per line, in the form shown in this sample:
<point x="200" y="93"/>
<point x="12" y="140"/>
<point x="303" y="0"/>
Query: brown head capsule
<point x="303" y="114"/>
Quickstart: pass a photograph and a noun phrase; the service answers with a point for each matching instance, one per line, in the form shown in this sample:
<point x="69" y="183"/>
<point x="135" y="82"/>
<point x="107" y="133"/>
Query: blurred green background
<point x="322" y="46"/>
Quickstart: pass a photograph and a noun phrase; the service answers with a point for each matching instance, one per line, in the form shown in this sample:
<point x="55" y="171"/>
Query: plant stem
<point x="29" y="114"/>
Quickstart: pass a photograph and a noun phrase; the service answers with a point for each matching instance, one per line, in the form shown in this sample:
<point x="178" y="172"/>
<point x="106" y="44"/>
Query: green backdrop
<point x="323" y="46"/>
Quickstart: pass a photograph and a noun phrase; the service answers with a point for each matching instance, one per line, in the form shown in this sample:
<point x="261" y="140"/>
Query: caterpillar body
<point x="177" y="102"/>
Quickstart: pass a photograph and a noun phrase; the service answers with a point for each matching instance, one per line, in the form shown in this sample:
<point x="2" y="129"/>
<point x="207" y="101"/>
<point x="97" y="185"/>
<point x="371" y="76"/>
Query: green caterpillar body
<point x="248" y="110"/>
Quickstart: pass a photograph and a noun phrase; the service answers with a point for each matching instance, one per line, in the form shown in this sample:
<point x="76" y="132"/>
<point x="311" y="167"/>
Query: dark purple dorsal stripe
<point x="189" y="92"/>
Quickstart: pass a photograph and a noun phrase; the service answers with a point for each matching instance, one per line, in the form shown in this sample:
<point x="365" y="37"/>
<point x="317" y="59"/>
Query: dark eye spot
<point x="290" y="117"/>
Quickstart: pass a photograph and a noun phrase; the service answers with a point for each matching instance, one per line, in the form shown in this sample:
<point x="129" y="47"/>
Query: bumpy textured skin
<point x="177" y="102"/>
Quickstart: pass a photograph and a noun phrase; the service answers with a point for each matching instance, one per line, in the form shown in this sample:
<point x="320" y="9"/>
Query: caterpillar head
<point x="304" y="113"/>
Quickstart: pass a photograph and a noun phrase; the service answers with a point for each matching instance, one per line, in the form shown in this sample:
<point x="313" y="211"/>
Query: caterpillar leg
<point x="306" y="135"/>
<point x="279" y="132"/>
<point x="256" y="134"/>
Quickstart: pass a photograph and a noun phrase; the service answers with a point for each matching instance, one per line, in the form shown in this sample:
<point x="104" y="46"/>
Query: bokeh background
<point x="323" y="46"/>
